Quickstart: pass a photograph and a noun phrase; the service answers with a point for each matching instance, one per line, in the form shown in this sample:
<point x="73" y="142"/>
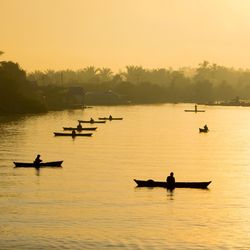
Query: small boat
<point x="41" y="164"/>
<point x="203" y="130"/>
<point x="152" y="183"/>
<point x="77" y="129"/>
<point x="110" y="119"/>
<point x="90" y="121"/>
<point x="72" y="135"/>
<point x="193" y="110"/>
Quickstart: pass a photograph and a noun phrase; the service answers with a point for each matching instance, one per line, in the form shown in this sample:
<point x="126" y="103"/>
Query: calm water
<point x="92" y="202"/>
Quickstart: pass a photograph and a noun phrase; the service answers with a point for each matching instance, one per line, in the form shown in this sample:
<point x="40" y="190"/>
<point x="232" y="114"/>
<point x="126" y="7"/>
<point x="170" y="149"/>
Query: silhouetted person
<point x="206" y="127"/>
<point x="79" y="126"/>
<point x="73" y="132"/>
<point x="91" y="120"/>
<point x="37" y="161"/>
<point x="171" y="181"/>
<point x="110" y="117"/>
<point x="195" y="108"/>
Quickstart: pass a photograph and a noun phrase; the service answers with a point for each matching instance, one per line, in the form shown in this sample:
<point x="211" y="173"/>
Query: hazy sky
<point x="62" y="34"/>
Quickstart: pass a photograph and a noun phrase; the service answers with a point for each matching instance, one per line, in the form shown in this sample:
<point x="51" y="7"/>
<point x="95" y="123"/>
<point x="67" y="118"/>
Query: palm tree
<point x="134" y="74"/>
<point x="105" y="74"/>
<point x="89" y="74"/>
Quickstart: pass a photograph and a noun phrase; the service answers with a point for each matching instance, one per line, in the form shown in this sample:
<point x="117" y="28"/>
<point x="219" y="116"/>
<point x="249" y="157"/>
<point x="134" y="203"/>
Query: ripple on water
<point x="92" y="202"/>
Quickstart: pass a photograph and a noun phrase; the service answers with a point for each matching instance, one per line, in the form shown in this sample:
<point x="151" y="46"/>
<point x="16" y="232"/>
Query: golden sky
<point x="72" y="34"/>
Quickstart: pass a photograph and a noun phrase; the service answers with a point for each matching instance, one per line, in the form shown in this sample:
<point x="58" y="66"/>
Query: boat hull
<point x="70" y="134"/>
<point x="203" y="130"/>
<point x="42" y="164"/>
<point x="82" y="121"/>
<point x="109" y="119"/>
<point x="70" y="128"/>
<point x="191" y="110"/>
<point x="152" y="183"/>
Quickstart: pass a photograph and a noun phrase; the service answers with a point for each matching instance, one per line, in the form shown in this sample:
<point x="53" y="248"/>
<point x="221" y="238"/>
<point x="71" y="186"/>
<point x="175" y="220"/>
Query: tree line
<point x="38" y="91"/>
<point x="206" y="83"/>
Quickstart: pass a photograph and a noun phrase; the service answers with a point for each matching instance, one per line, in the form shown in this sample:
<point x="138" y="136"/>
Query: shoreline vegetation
<point x="42" y="91"/>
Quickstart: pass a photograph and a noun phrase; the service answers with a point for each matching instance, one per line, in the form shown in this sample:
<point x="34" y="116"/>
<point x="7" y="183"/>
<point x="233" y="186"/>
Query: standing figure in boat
<point x="171" y="181"/>
<point x="37" y="161"/>
<point x="195" y="108"/>
<point x="110" y="117"/>
<point x="91" y="120"/>
<point x="73" y="132"/>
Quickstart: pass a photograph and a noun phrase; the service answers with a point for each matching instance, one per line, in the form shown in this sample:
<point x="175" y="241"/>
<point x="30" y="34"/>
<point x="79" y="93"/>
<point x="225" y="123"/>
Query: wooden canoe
<point x="70" y="134"/>
<point x="42" y="164"/>
<point x="203" y="130"/>
<point x="152" y="183"/>
<point x="89" y="121"/>
<point x="193" y="110"/>
<point x="70" y="128"/>
<point x="110" y="119"/>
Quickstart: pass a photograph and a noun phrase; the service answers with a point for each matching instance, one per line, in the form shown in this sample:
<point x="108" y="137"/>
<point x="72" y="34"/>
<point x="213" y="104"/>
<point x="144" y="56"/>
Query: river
<point x="92" y="201"/>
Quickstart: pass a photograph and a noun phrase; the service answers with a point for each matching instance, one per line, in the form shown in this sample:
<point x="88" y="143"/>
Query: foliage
<point x="206" y="83"/>
<point x="55" y="89"/>
<point x="17" y="94"/>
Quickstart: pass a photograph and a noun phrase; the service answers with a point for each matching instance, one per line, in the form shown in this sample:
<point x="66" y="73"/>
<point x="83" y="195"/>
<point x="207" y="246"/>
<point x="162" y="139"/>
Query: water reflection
<point x="170" y="194"/>
<point x="94" y="194"/>
<point x="37" y="171"/>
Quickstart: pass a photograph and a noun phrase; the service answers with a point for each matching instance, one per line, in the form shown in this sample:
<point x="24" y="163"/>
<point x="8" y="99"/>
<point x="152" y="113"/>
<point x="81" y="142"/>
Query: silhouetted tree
<point x="203" y="91"/>
<point x="17" y="94"/>
<point x="206" y="83"/>
<point x="224" y="91"/>
<point x="135" y="74"/>
<point x="105" y="74"/>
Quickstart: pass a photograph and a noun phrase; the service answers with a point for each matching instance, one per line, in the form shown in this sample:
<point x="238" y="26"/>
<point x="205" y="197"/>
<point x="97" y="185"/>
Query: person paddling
<point x="79" y="127"/>
<point x="171" y="181"/>
<point x="206" y="127"/>
<point x="37" y="161"/>
<point x="73" y="133"/>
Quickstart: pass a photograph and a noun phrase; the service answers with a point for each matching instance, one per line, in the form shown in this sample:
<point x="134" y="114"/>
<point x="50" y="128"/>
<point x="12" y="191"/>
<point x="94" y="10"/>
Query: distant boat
<point x="152" y="183"/>
<point x="193" y="110"/>
<point x="203" y="130"/>
<point x="41" y="164"/>
<point x="109" y="118"/>
<point x="72" y="135"/>
<point x="90" y="121"/>
<point x="77" y="129"/>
